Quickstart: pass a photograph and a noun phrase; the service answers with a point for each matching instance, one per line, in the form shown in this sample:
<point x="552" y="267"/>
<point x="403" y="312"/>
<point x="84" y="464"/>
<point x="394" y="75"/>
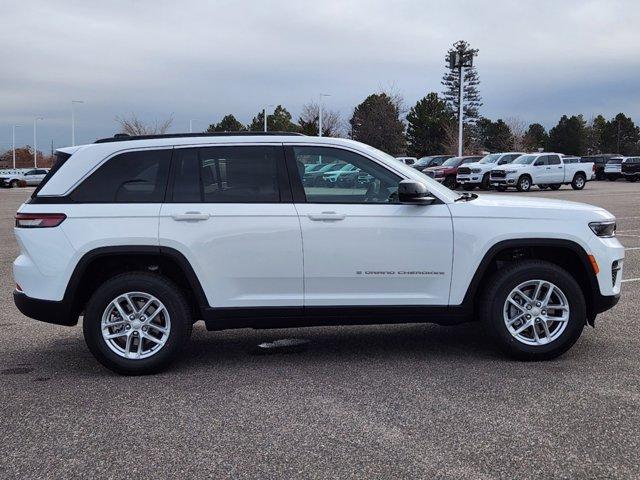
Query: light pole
<point x="320" y="112"/>
<point x="73" y="121"/>
<point x="14" y="144"/>
<point x="191" y="124"/>
<point x="460" y="60"/>
<point x="35" y="141"/>
<point x="264" y="111"/>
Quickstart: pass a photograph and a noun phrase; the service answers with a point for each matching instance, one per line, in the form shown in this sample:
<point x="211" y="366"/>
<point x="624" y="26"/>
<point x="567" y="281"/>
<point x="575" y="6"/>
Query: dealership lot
<point x="386" y="401"/>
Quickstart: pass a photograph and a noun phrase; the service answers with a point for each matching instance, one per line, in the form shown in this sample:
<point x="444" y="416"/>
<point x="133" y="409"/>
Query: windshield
<point x="493" y="158"/>
<point x="525" y="159"/>
<point x="423" y="162"/>
<point x="615" y="161"/>
<point x="453" y="162"/>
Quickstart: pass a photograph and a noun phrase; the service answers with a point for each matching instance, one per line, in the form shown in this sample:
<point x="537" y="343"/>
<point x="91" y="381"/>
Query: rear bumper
<point x="47" y="311"/>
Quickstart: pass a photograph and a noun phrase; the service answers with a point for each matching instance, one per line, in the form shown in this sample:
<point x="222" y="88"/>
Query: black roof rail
<point x="123" y="137"/>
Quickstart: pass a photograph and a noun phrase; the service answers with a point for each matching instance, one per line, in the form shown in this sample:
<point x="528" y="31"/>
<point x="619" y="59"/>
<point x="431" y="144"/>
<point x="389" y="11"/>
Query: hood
<point x="511" y="166"/>
<point x="503" y="206"/>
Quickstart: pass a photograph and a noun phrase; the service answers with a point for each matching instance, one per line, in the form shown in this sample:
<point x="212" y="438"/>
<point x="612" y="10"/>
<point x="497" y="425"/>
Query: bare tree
<point x="132" y="125"/>
<point x="332" y="124"/>
<point x="518" y="130"/>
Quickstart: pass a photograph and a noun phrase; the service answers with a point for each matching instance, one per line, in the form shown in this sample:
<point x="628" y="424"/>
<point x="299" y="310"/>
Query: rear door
<point x="229" y="212"/>
<point x="362" y="247"/>
<point x="556" y="170"/>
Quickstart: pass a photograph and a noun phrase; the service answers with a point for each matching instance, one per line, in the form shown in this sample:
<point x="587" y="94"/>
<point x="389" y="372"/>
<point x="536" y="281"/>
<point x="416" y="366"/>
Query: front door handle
<point x="191" y="217"/>
<point x="326" y="217"/>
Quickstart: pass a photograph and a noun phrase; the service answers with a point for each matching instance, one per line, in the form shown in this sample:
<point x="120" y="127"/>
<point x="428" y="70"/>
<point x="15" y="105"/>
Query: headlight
<point x="511" y="171"/>
<point x="475" y="170"/>
<point x="604" y="229"/>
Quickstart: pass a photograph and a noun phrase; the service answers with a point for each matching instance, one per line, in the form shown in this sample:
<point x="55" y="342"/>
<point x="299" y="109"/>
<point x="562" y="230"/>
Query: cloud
<point x="203" y="59"/>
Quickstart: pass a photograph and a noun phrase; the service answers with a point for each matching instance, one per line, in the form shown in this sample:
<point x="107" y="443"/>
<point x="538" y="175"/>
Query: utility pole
<point x="320" y="112"/>
<point x="191" y="125"/>
<point x="264" y="111"/>
<point x="460" y="60"/>
<point x="73" y="121"/>
<point x="14" y="144"/>
<point x="35" y="141"/>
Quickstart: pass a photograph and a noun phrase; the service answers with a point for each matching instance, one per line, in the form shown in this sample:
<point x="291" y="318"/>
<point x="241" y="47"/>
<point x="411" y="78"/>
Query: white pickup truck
<point x="546" y="170"/>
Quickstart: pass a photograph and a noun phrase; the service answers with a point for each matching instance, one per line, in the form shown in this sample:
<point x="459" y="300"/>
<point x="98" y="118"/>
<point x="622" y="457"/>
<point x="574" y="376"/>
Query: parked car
<point x="631" y="169"/>
<point x="431" y="161"/>
<point x="476" y="174"/>
<point x="227" y="232"/>
<point x="613" y="168"/>
<point x="314" y="177"/>
<point x="31" y="177"/>
<point x="446" y="173"/>
<point x="407" y="160"/>
<point x="542" y="169"/>
<point x="600" y="161"/>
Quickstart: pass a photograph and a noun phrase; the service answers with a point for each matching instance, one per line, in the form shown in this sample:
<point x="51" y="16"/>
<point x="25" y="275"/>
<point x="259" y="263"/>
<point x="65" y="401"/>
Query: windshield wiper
<point x="466" y="196"/>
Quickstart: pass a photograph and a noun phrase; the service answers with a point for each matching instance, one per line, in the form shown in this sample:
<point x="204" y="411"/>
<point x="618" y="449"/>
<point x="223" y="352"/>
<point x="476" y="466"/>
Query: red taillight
<point x="39" y="220"/>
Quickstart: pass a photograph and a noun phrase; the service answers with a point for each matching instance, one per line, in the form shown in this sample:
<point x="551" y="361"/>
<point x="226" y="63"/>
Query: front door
<point x="228" y="212"/>
<point x="362" y="247"/>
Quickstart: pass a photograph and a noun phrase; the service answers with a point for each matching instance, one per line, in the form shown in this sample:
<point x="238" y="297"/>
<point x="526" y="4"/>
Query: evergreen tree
<point x="536" y="137"/>
<point x="426" y="125"/>
<point x="493" y="136"/>
<point x="595" y="135"/>
<point x="451" y="82"/>
<point x="279" y="121"/>
<point x="569" y="136"/>
<point x="376" y="122"/>
<point x="621" y="135"/>
<point x="228" y="124"/>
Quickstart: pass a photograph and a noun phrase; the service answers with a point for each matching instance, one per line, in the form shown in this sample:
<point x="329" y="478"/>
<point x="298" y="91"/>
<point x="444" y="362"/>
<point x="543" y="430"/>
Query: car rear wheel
<point x="579" y="181"/>
<point x="137" y="323"/>
<point x="524" y="184"/>
<point x="533" y="310"/>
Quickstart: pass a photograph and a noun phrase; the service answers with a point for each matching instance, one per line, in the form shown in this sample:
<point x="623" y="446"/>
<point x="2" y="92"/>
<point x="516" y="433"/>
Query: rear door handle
<point x="326" y="217"/>
<point x="191" y="217"/>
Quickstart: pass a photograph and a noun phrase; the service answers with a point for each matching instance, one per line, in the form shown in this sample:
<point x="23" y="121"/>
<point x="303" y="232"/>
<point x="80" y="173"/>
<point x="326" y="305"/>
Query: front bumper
<point x="471" y="179"/>
<point x="502" y="182"/>
<point x="48" y="311"/>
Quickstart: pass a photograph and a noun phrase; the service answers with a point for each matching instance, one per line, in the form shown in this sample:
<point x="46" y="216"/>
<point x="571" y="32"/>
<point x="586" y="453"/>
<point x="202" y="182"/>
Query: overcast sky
<point x="203" y="59"/>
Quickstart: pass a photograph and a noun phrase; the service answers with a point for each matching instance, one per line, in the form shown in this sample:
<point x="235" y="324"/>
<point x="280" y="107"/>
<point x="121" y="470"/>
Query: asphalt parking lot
<point x="412" y="401"/>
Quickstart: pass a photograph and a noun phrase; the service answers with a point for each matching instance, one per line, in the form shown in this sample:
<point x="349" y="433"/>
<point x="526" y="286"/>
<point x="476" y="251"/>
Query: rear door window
<point x="132" y="177"/>
<point x="227" y="174"/>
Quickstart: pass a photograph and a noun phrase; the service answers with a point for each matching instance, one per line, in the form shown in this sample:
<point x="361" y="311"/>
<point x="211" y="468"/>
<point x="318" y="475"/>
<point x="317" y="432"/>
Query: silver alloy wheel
<point x="135" y="325"/>
<point x="536" y="312"/>
<point x="580" y="182"/>
<point x="524" y="184"/>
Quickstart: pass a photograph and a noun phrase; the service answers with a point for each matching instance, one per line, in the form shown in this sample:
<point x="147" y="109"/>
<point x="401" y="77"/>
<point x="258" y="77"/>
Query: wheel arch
<point x="99" y="264"/>
<point x="564" y="253"/>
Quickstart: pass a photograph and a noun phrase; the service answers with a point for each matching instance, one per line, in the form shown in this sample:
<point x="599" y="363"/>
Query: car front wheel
<point x="137" y="323"/>
<point x="524" y="184"/>
<point x="533" y="310"/>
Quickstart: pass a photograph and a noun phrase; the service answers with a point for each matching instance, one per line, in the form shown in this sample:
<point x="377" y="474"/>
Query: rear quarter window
<point x="131" y="177"/>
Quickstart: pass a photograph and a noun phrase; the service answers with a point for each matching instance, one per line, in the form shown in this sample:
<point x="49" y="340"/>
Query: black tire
<point x="468" y="188"/>
<point x="555" y="186"/>
<point x="600" y="175"/>
<point x="524" y="183"/>
<point x="14" y="184"/>
<point x="495" y="295"/>
<point x="632" y="179"/>
<point x="543" y="186"/>
<point x="486" y="182"/>
<point x="450" y="182"/>
<point x="161" y="288"/>
<point x="579" y="181"/>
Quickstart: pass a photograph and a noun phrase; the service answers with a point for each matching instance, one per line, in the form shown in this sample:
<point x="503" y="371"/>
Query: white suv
<point x="145" y="236"/>
<point x="476" y="174"/>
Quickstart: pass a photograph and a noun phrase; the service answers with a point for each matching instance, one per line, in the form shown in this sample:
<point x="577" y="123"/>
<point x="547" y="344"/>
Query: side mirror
<point x="414" y="193"/>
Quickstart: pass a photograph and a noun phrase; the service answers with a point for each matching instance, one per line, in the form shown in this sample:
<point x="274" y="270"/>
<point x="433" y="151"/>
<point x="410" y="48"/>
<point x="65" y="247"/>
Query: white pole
<point x="35" y="141"/>
<point x="191" y="125"/>
<point x="320" y="113"/>
<point x="460" y="109"/>
<point x="264" y="113"/>
<point x="14" y="147"/>
<point x="73" y="121"/>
